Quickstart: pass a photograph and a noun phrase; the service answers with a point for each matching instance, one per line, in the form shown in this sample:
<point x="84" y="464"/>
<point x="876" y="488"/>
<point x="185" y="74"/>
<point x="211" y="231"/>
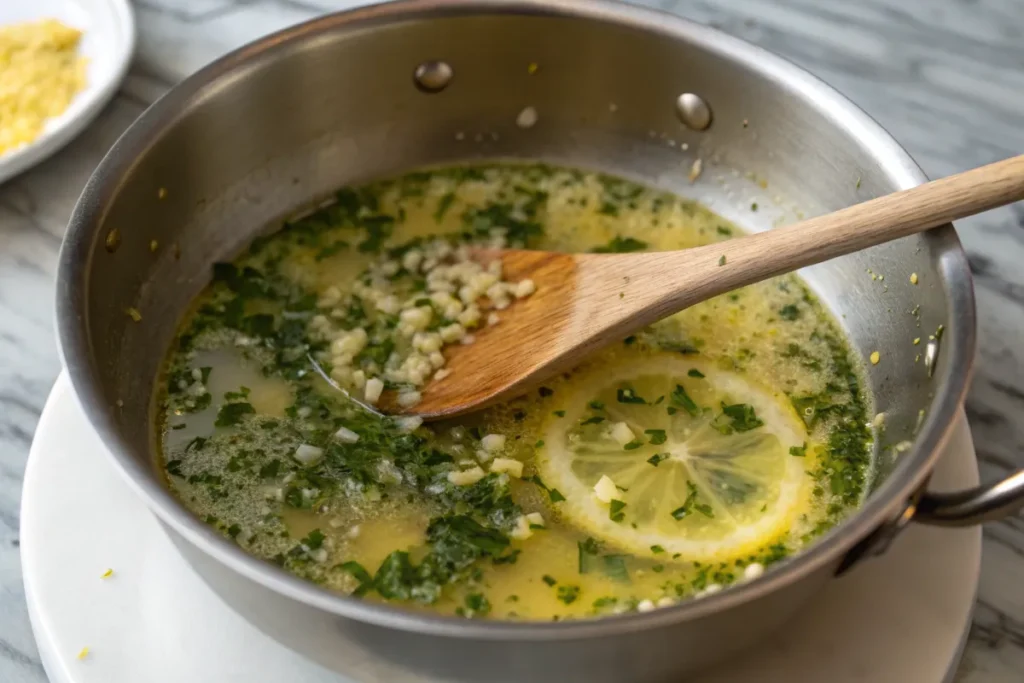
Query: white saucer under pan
<point x="899" y="618"/>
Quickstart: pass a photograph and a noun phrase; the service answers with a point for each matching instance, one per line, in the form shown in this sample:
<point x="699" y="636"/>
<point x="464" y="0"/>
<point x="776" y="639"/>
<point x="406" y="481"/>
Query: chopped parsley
<point x="620" y="245"/>
<point x="231" y="414"/>
<point x="691" y="504"/>
<point x="568" y="594"/>
<point x="657" y="436"/>
<point x="681" y="399"/>
<point x="615" y="511"/>
<point x="789" y="312"/>
<point x="739" y="417"/>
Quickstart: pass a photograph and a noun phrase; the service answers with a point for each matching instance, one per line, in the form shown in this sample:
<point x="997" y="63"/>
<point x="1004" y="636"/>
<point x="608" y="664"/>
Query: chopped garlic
<point x="524" y="288"/>
<point x="407" y="399"/>
<point x="83" y="653"/>
<point x="665" y="601"/>
<point x="645" y="606"/>
<point x="522" y="530"/>
<point x="374" y="388"/>
<point x="410" y="423"/>
<point x="711" y="589"/>
<point x="346" y="435"/>
<point x="107" y="574"/>
<point x="466" y="477"/>
<point x="307" y="454"/>
<point x="753" y="571"/>
<point x="535" y="519"/>
<point x="695" y="170"/>
<point x="492" y="443"/>
<point x="509" y="466"/>
<point x="875" y="357"/>
<point x="622" y="433"/>
<point x="605" y="489"/>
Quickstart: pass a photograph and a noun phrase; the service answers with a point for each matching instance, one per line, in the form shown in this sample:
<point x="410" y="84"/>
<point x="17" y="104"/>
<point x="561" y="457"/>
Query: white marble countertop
<point x="946" y="77"/>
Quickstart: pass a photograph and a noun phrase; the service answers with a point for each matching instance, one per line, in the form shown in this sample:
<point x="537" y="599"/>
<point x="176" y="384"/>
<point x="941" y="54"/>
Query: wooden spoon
<point x="586" y="301"/>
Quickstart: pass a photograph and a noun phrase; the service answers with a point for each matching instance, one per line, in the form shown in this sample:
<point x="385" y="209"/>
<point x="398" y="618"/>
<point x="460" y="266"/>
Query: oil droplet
<point x="113" y="240"/>
<point x="527" y="118"/>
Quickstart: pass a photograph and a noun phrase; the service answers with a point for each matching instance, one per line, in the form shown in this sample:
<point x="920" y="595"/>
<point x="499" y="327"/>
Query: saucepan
<point x="374" y="92"/>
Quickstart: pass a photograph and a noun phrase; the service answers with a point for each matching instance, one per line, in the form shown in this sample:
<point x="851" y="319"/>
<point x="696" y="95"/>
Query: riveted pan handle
<point x="959" y="508"/>
<point x="973" y="506"/>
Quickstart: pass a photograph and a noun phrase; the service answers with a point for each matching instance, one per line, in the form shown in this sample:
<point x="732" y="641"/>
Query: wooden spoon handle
<point x="735" y="263"/>
<point x="899" y="214"/>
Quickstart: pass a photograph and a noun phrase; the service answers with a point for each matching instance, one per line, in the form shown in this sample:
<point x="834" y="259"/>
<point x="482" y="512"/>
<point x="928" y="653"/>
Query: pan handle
<point x="965" y="508"/>
<point x="984" y="503"/>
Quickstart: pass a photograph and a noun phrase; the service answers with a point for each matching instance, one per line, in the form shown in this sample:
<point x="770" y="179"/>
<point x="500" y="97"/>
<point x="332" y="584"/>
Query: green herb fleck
<point x="620" y="245"/>
<point x="658" y="436"/>
<point x="615" y="511"/>
<point x="789" y="312"/>
<point x="739" y="417"/>
<point x="681" y="399"/>
<point x="232" y="413"/>
<point x="568" y="594"/>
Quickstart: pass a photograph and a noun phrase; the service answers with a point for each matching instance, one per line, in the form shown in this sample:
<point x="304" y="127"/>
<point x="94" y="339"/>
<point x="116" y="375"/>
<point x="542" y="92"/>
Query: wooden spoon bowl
<point x="583" y="302"/>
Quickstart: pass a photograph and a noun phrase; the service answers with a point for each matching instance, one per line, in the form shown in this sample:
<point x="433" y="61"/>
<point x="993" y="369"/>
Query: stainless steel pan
<point x="286" y="120"/>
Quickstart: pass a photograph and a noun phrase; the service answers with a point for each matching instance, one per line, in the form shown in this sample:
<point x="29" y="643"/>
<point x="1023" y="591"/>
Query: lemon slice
<point x="666" y="454"/>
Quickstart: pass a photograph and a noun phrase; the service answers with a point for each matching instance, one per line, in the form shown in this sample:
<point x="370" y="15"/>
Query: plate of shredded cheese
<point x="60" y="62"/>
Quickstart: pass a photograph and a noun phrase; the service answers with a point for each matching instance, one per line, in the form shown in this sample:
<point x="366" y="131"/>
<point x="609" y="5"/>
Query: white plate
<point x="902" y="617"/>
<point x="108" y="41"/>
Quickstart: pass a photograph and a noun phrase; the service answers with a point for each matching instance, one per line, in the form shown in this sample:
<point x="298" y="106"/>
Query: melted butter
<point x="743" y="331"/>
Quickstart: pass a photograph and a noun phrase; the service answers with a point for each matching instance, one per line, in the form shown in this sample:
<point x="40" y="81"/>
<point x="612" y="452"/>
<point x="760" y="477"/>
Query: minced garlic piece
<point x="460" y="294"/>
<point x="875" y="357"/>
<point x="535" y="519"/>
<point x="605" y="489"/>
<point x="466" y="477"/>
<point x="492" y="443"/>
<point x="695" y="170"/>
<point x="521" y="531"/>
<point x="373" y="390"/>
<point x="107" y="574"/>
<point x="913" y="278"/>
<point x="83" y="653"/>
<point x="622" y="433"/>
<point x="509" y="466"/>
